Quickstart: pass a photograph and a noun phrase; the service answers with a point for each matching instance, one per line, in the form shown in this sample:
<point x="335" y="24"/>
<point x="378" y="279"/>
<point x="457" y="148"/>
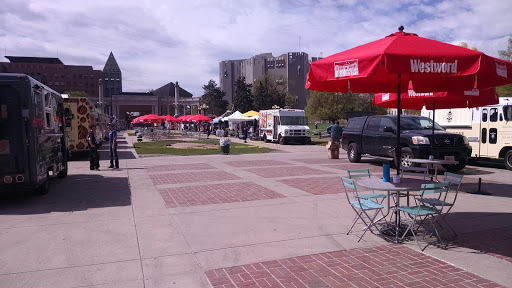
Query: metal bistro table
<point x="405" y="185"/>
<point x="432" y="164"/>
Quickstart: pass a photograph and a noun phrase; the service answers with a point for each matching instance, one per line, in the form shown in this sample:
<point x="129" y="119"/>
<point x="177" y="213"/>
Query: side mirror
<point x="389" y="129"/>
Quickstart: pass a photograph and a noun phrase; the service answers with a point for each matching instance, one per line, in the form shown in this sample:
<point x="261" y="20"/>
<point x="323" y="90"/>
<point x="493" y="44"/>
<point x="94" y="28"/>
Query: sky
<point x="157" y="42"/>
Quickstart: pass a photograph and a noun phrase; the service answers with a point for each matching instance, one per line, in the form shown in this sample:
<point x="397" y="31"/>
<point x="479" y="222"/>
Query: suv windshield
<point x="418" y="123"/>
<point x="293" y="120"/>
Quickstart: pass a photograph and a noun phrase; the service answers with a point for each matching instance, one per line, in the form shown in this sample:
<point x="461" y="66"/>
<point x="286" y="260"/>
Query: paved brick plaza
<point x="215" y="194"/>
<point x="382" y="266"/>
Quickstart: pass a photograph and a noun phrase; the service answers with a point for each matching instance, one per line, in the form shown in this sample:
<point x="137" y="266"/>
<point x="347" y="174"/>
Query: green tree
<point x="266" y="93"/>
<point x="213" y="97"/>
<point x="333" y="106"/>
<point x="505" y="90"/>
<point x="243" y="96"/>
<point x="328" y="105"/>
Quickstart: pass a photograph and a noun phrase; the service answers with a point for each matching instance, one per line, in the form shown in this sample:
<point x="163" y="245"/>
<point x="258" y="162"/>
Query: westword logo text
<point x="433" y="67"/>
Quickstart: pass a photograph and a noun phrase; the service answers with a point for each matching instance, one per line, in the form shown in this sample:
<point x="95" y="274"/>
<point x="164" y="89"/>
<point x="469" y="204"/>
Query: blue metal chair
<point x="361" y="206"/>
<point x="447" y="201"/>
<point x="365" y="173"/>
<point x="422" y="212"/>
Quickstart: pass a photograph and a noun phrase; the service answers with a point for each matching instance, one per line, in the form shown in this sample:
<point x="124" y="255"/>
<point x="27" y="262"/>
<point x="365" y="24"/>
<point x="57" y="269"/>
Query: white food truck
<point x="284" y="125"/>
<point x="488" y="128"/>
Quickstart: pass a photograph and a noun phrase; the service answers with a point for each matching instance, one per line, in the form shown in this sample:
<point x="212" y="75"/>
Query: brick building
<point x="55" y="74"/>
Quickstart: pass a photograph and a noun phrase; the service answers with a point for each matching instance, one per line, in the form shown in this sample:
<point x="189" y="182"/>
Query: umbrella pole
<point x="433" y="121"/>
<point x="398" y="150"/>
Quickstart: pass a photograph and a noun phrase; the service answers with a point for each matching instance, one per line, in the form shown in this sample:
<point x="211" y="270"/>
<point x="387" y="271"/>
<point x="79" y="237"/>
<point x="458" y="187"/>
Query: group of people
<point x="93" y="148"/>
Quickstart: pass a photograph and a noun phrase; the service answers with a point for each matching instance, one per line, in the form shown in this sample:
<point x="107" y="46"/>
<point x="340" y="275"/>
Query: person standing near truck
<point x="335" y="130"/>
<point x="93" y="148"/>
<point x="112" y="141"/>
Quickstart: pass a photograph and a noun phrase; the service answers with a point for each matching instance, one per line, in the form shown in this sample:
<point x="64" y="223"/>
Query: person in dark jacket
<point x="112" y="142"/>
<point x="335" y="131"/>
<point x="93" y="149"/>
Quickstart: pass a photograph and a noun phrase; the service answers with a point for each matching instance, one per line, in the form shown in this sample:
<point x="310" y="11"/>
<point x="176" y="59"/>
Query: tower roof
<point x="111" y="64"/>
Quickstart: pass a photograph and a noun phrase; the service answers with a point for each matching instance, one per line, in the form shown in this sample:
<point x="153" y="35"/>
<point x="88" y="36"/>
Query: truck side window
<point x="493" y="117"/>
<point x="507" y="110"/>
<point x="385" y="122"/>
<point x="484" y="115"/>
<point x="373" y="124"/>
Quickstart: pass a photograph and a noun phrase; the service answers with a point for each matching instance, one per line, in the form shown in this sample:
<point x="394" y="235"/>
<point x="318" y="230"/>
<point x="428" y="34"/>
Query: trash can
<point x="333" y="150"/>
<point x="224" y="146"/>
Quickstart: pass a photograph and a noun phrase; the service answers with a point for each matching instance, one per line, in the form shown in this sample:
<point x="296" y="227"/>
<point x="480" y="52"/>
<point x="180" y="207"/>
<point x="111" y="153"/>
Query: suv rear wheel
<point x="353" y="155"/>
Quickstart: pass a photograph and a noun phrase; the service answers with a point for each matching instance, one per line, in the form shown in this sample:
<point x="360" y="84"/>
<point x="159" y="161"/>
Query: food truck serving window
<point x="507" y="112"/>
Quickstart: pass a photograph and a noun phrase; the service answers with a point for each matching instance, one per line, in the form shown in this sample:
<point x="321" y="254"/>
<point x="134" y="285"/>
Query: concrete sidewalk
<point x="281" y="217"/>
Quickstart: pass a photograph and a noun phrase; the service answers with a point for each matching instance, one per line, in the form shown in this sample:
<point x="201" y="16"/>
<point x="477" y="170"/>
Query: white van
<point x="284" y="125"/>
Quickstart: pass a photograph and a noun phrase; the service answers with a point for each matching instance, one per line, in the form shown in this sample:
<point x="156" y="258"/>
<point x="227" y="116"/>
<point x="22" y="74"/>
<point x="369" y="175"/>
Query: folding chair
<point x="365" y="173"/>
<point x="448" y="199"/>
<point x="361" y="206"/>
<point x="415" y="171"/>
<point x="420" y="213"/>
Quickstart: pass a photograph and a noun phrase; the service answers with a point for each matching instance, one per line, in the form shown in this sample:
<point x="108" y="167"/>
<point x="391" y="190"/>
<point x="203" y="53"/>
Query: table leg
<point x="397" y="216"/>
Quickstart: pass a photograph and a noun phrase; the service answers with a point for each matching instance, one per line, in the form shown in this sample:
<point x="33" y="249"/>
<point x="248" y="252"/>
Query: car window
<point x="484" y="115"/>
<point x="493" y="115"/>
<point x="354" y="124"/>
<point x="385" y="122"/>
<point x="373" y="124"/>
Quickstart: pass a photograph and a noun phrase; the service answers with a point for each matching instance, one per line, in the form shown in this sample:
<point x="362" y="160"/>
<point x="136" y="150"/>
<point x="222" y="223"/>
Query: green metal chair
<point x="361" y="206"/>
<point x="447" y="201"/>
<point x="422" y="212"/>
<point x="365" y="173"/>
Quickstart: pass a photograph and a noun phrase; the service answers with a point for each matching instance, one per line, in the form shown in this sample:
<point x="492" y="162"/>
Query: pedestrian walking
<point x="208" y="131"/>
<point x="93" y="149"/>
<point x="335" y="131"/>
<point x="112" y="141"/>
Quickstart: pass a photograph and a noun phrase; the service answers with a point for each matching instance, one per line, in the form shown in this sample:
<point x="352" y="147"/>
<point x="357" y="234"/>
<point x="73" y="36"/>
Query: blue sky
<point x="156" y="42"/>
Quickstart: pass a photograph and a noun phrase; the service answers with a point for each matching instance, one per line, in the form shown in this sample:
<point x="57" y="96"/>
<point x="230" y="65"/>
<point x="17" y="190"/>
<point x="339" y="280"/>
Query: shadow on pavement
<point x="73" y="193"/>
<point x="495" y="242"/>
<point x="104" y="155"/>
<point x="496" y="189"/>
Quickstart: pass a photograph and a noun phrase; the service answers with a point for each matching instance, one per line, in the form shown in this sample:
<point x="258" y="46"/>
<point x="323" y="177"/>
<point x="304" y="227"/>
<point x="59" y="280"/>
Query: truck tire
<point x="64" y="172"/>
<point x="456" y="167"/>
<point x="265" y="138"/>
<point x="281" y="140"/>
<point x="44" y="188"/>
<point x="406" y="155"/>
<point x="353" y="154"/>
<point x="508" y="160"/>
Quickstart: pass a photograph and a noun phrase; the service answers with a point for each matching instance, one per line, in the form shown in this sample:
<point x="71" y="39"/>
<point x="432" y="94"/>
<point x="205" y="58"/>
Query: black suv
<point x="376" y="136"/>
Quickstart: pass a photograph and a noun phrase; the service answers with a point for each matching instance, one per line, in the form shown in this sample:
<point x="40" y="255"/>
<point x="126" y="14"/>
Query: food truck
<point x="83" y="113"/>
<point x="488" y="128"/>
<point x="284" y="125"/>
<point x="33" y="138"/>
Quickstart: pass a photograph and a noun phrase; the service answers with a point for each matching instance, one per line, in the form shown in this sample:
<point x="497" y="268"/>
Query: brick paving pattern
<point x="275" y="172"/>
<point x="317" y="185"/>
<point x="256" y="163"/>
<point x="192" y="177"/>
<point x="383" y="266"/>
<point x="179" y="167"/>
<point x="216" y="194"/>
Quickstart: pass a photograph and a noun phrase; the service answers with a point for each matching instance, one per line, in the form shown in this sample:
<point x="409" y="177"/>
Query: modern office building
<point x="288" y="69"/>
<point x="55" y="74"/>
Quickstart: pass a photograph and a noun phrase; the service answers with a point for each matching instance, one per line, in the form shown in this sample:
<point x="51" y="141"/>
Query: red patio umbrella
<point x="389" y="64"/>
<point x="170" y="118"/>
<point x="200" y="118"/>
<point x="152" y="118"/>
<point x="441" y="100"/>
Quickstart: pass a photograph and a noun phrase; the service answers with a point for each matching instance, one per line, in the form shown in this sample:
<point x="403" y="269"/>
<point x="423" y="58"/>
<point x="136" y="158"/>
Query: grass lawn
<point x="162" y="147"/>
<point x="131" y="134"/>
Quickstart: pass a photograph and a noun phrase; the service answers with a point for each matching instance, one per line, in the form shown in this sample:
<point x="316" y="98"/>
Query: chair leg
<point x="368" y="226"/>
<point x="358" y="215"/>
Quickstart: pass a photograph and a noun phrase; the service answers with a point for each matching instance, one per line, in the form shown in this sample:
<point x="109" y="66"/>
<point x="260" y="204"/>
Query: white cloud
<point x="156" y="42"/>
